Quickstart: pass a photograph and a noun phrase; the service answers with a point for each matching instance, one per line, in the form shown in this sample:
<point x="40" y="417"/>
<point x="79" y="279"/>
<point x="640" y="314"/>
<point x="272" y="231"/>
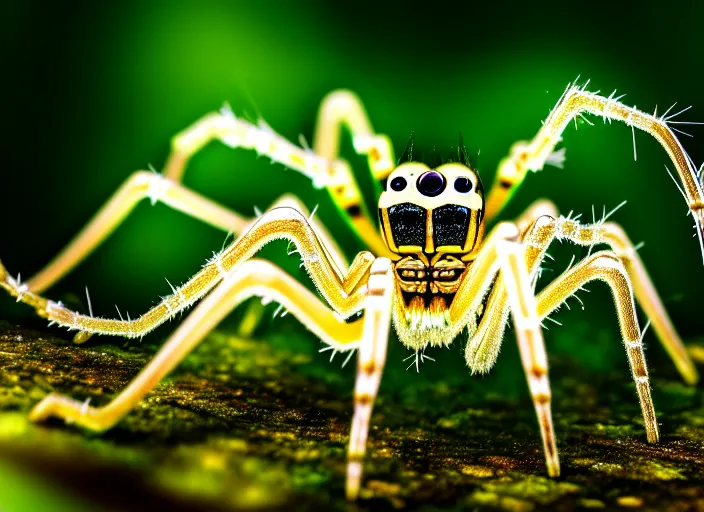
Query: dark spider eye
<point x="431" y="183"/>
<point x="463" y="184"/>
<point x="398" y="184"/>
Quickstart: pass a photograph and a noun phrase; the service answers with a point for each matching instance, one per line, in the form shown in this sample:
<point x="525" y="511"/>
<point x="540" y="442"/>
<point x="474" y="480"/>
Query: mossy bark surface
<point x="252" y="424"/>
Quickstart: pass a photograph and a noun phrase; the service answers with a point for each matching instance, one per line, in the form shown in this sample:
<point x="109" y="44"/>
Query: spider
<point x="431" y="271"/>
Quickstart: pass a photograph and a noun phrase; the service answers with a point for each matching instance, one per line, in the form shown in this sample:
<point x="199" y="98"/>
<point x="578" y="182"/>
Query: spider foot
<point x="553" y="467"/>
<point x="354" y="479"/>
<point x="82" y="337"/>
<point x="71" y="411"/>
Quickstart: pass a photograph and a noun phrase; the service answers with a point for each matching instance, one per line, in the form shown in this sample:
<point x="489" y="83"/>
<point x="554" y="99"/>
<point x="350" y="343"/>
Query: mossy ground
<point x="264" y="425"/>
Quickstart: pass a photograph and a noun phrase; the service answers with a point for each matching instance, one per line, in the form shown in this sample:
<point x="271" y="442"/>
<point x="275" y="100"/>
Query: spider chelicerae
<point x="430" y="270"/>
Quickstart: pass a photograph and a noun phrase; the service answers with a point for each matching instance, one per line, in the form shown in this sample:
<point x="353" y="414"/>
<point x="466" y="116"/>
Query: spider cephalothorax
<point x="431" y="218"/>
<point x="429" y="269"/>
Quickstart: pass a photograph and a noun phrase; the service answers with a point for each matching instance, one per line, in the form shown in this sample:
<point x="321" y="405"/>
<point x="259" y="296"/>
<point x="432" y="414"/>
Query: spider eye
<point x="398" y="184"/>
<point x="431" y="183"/>
<point x="463" y="184"/>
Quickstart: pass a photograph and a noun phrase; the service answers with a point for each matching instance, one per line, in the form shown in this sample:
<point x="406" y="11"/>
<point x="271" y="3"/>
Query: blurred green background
<point x="92" y="93"/>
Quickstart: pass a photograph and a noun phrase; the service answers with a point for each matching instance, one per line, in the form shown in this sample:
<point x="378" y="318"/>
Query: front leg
<point x="275" y="224"/>
<point x="531" y="345"/>
<point x="503" y="251"/>
<point x="370" y="364"/>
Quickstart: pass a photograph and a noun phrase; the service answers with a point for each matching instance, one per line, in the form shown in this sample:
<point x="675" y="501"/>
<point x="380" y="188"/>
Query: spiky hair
<point x="435" y="158"/>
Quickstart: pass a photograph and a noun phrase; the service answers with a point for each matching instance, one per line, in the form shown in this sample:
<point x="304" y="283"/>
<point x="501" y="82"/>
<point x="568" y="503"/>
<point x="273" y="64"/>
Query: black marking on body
<point x="407" y="223"/>
<point x="450" y="225"/>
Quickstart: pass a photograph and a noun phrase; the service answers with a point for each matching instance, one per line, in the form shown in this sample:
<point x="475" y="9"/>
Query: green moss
<point x="533" y="488"/>
<point x="249" y="424"/>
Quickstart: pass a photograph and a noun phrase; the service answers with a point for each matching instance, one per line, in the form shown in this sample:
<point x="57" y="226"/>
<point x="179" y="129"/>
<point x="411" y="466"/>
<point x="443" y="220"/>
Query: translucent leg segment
<point x="322" y="164"/>
<point x="607" y="267"/>
<point x="533" y="155"/>
<point x="252" y="278"/>
<point x="142" y="185"/>
<point x="341" y="293"/>
<point x="370" y="364"/>
<point x="482" y="349"/>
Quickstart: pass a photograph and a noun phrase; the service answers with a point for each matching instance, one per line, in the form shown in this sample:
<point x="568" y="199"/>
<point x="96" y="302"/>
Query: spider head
<point x="432" y="210"/>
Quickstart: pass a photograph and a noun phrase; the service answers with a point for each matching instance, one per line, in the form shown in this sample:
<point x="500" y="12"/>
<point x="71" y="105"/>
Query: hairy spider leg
<point x="322" y="164"/>
<point x="516" y="281"/>
<point x="482" y="349"/>
<point x="145" y="184"/>
<point x="500" y="251"/>
<point x="503" y="252"/>
<point x="533" y="155"/>
<point x="603" y="266"/>
<point x="278" y="223"/>
<point x="344" y="108"/>
<point x="483" y="346"/>
<point x="530" y="343"/>
<point x="537" y="209"/>
<point x="252" y="278"/>
<point x="606" y="266"/>
<point x="255" y="310"/>
<point x="370" y="364"/>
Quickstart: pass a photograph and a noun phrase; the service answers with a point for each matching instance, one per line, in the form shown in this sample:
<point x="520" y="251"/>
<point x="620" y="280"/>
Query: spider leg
<point x="537" y="209"/>
<point x="608" y="267"/>
<point x="140" y="185"/>
<point x="343" y="107"/>
<point x="341" y="293"/>
<point x="370" y="364"/>
<point x="650" y="301"/>
<point x="482" y="349"/>
<point x="255" y="310"/>
<point x="576" y="100"/>
<point x="515" y="283"/>
<point x="145" y="184"/>
<point x="503" y="251"/>
<point x="528" y="310"/>
<point x="530" y="343"/>
<point x="322" y="164"/>
<point x="253" y="278"/>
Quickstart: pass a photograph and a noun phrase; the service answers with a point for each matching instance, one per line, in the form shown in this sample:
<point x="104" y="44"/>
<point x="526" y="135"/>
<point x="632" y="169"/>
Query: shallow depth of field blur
<point x="92" y="93"/>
